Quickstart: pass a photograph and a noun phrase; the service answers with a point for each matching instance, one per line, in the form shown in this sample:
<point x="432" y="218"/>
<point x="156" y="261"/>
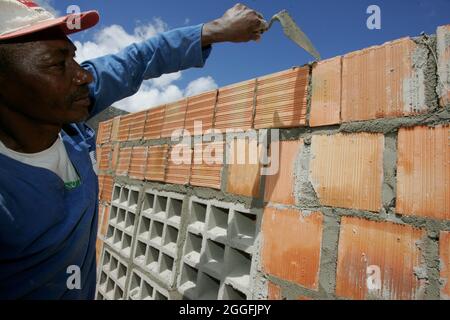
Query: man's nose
<point x="82" y="77"/>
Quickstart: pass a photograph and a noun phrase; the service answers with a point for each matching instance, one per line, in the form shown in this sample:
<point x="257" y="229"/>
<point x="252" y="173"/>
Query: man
<point x="48" y="187"/>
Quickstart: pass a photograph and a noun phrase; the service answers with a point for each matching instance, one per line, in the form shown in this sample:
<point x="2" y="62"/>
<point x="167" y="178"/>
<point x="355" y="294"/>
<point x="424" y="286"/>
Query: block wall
<point x="359" y="208"/>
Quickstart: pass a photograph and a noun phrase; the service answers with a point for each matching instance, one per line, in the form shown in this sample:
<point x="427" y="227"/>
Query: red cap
<point x="22" y="17"/>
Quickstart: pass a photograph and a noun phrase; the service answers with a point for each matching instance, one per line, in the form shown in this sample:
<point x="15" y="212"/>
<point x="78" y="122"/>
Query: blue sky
<point x="335" y="27"/>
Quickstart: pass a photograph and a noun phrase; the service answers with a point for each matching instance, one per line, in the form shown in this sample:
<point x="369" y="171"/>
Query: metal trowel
<point x="293" y="32"/>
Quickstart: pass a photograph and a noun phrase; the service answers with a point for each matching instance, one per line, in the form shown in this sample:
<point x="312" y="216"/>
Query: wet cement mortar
<point x="306" y="198"/>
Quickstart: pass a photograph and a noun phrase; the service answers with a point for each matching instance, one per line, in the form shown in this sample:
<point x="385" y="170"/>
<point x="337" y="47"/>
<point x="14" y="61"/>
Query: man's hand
<point x="238" y="24"/>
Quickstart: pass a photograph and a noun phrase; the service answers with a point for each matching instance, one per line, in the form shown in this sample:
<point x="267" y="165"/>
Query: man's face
<point x="43" y="81"/>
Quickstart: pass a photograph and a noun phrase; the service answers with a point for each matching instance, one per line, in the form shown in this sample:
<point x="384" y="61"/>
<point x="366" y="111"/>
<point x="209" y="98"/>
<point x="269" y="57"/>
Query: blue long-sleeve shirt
<point x="44" y="228"/>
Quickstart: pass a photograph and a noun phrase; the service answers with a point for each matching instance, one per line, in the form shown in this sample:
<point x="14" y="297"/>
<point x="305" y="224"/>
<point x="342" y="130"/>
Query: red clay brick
<point x="423" y="172"/>
<point x="326" y="93"/>
<point x="101" y="210"/>
<point x="138" y="163"/>
<point x="104" y="221"/>
<point x="108" y="183"/>
<point x="101" y="179"/>
<point x="104" y="156"/>
<point x="98" y="249"/>
<point x="104" y="132"/>
<point x="281" y="99"/>
<point x="123" y="164"/>
<point x="280" y="187"/>
<point x="115" y="129"/>
<point x="443" y="50"/>
<point x="291" y="245"/>
<point x="174" y="117"/>
<point x="154" y="123"/>
<point x="176" y="172"/>
<point x="380" y="82"/>
<point x="365" y="246"/>
<point x="156" y="163"/>
<point x="115" y="156"/>
<point x="244" y="174"/>
<point x="205" y="171"/>
<point x="347" y="170"/>
<point x="274" y="291"/>
<point x="201" y="108"/>
<point x="137" y="126"/>
<point x="444" y="253"/>
<point x="124" y="127"/>
<point x="234" y="108"/>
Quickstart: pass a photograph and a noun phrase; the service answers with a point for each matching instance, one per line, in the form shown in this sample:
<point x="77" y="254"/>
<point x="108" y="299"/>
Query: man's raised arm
<point x="120" y="75"/>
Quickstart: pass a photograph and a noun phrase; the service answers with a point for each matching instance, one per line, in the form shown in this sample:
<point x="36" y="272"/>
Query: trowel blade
<point x="293" y="32"/>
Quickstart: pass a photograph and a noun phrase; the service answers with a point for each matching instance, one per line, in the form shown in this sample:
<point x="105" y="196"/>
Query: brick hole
<point x="218" y="223"/>
<point x="117" y="237"/>
<point x="133" y="200"/>
<point x="188" y="281"/>
<point x="121" y="218"/>
<point x="208" y="287"/>
<point x="149" y="202"/>
<point x="116" y="194"/>
<point x="152" y="258"/>
<point x="160" y="296"/>
<point x="198" y="215"/>
<point x="106" y="261"/>
<point x="214" y="255"/>
<point x="139" y="255"/>
<point x="113" y="215"/>
<point x="110" y="233"/>
<point x="135" y="287"/>
<point x="239" y="264"/>
<point x="243" y="228"/>
<point x="193" y="247"/>
<point x="103" y="280"/>
<point x="122" y="273"/>
<point x="166" y="267"/>
<point x="147" y="291"/>
<point x="118" y="294"/>
<point x="113" y="265"/>
<point x="230" y="293"/>
<point x="126" y="244"/>
<point x="144" y="228"/>
<point x="124" y="196"/>
<point x="130" y="221"/>
<point x="174" y="211"/>
<point x="171" y="238"/>
<point x="160" y="206"/>
<point x="110" y="287"/>
<point x="156" y="232"/>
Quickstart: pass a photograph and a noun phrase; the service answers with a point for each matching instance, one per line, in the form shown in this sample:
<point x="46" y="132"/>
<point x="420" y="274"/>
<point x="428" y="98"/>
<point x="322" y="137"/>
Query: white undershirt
<point x="54" y="159"/>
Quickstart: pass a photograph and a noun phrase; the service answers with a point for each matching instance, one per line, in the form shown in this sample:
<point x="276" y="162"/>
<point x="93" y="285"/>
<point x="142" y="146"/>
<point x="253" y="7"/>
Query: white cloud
<point x="153" y="92"/>
<point x="187" y="21"/>
<point x="166" y="79"/>
<point x="150" y="96"/>
<point x="48" y="5"/>
<point x="200" y="85"/>
<point x="113" y="38"/>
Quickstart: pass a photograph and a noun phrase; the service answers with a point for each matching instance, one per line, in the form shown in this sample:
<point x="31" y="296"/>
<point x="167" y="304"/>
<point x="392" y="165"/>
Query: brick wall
<point x="359" y="208"/>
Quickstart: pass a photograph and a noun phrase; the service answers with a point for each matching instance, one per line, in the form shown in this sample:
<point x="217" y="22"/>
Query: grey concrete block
<point x="217" y="254"/>
<point x="158" y="234"/>
<point x="113" y="276"/>
<point x="141" y="287"/>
